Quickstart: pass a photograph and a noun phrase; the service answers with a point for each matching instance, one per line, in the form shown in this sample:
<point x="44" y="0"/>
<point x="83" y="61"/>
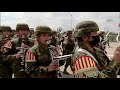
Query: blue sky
<point x="107" y="21"/>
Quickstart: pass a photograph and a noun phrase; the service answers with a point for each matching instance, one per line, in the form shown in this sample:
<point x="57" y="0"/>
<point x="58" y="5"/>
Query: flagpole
<point x="71" y="21"/>
<point x="119" y="21"/>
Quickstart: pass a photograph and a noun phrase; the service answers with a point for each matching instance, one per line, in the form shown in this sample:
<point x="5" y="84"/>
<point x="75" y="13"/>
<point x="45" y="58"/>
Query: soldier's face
<point x="70" y="35"/>
<point x="90" y="36"/>
<point x="54" y="35"/>
<point x="96" y="39"/>
<point x="23" y="32"/>
<point x="43" y="38"/>
<point x="5" y="33"/>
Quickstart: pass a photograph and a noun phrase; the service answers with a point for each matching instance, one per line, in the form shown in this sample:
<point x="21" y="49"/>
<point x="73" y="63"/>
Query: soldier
<point x="15" y="35"/>
<point x="54" y="41"/>
<point x="6" y="31"/>
<point x="12" y="54"/>
<point x="103" y="42"/>
<point x="31" y="33"/>
<point x="5" y="69"/>
<point x="68" y="47"/>
<point x="38" y="58"/>
<point x="90" y="61"/>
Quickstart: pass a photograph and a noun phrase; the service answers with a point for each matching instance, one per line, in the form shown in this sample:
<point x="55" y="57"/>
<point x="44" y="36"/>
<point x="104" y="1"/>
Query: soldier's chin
<point x="45" y="42"/>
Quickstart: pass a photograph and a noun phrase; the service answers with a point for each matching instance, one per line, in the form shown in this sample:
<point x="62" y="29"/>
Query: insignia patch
<point x="85" y="67"/>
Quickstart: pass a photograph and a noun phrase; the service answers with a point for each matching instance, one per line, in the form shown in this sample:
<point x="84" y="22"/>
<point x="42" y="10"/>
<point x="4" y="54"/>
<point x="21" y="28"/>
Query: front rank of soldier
<point x="38" y="58"/>
<point x="90" y="61"/>
<point x="5" y="68"/>
<point x="12" y="55"/>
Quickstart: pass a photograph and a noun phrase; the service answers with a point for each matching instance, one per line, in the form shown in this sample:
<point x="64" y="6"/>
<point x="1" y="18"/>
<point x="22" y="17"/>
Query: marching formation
<point x="39" y="53"/>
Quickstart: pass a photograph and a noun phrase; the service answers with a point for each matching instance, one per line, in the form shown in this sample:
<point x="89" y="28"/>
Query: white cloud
<point x="61" y="19"/>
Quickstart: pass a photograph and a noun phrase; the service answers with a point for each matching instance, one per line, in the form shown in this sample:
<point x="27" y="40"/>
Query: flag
<point x="85" y="67"/>
<point x="30" y="57"/>
<point x="84" y="62"/>
<point x="8" y="44"/>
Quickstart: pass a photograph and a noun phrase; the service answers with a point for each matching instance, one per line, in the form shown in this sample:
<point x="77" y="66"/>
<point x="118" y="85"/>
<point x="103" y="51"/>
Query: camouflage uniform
<point x="5" y="68"/>
<point x="54" y="40"/>
<point x="4" y="39"/>
<point x="11" y="50"/>
<point x="38" y="58"/>
<point x="89" y="64"/>
<point x="31" y="33"/>
<point x="68" y="47"/>
<point x="102" y="45"/>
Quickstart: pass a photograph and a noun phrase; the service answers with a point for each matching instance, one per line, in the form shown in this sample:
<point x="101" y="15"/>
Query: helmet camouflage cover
<point x="5" y="28"/>
<point x="85" y="28"/>
<point x="54" y="32"/>
<point x="101" y="32"/>
<point x="22" y="26"/>
<point x="42" y="29"/>
<point x="69" y="32"/>
<point x="31" y="29"/>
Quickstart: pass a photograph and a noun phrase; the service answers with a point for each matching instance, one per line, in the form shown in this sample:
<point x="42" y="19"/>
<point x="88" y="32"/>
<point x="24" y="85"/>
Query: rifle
<point x="23" y="50"/>
<point x="58" y="59"/>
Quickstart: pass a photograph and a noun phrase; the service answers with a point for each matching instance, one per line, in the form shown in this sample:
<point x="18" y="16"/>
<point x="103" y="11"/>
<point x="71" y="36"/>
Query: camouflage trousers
<point x="5" y="71"/>
<point x="18" y="73"/>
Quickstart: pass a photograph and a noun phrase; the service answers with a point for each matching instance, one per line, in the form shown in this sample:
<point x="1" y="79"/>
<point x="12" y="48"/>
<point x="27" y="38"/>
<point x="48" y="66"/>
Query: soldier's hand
<point x="117" y="54"/>
<point x="2" y="49"/>
<point x="52" y="66"/>
<point x="19" y="54"/>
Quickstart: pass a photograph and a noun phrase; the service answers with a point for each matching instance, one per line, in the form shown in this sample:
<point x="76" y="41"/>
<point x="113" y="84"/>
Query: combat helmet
<point x="85" y="28"/>
<point x="42" y="29"/>
<point x="53" y="32"/>
<point x="101" y="32"/>
<point x="22" y="26"/>
<point x="69" y="32"/>
<point x="5" y="28"/>
<point x="31" y="29"/>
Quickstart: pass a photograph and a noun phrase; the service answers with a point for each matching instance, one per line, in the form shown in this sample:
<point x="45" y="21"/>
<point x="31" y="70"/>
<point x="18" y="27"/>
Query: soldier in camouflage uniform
<point x="6" y="31"/>
<point x="12" y="55"/>
<point x="68" y="46"/>
<point x="5" y="69"/>
<point x="90" y="61"/>
<point x="54" y="41"/>
<point x="15" y="35"/>
<point x="103" y="41"/>
<point x="38" y="57"/>
<point x="31" y="33"/>
<point x="12" y="33"/>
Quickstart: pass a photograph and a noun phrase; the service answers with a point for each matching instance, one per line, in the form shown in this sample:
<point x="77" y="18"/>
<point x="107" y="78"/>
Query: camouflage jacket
<point x="105" y="68"/>
<point x="68" y="46"/>
<point x="38" y="59"/>
<point x="54" y="41"/>
<point x="4" y="40"/>
<point x="10" y="50"/>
